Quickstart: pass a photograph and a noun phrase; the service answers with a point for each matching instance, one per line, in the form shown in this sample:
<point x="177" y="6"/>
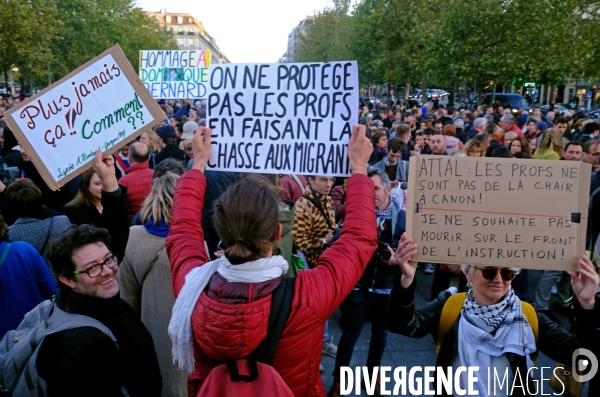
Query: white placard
<point x="94" y="107"/>
<point x="283" y="118"/>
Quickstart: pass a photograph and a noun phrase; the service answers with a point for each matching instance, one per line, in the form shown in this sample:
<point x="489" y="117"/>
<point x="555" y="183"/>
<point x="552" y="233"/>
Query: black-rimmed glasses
<point x="96" y="270"/>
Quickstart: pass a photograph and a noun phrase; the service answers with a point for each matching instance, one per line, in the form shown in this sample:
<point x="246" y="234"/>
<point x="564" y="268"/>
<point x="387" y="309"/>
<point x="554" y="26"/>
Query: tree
<point x="28" y="29"/>
<point x="91" y="26"/>
<point x="329" y="38"/>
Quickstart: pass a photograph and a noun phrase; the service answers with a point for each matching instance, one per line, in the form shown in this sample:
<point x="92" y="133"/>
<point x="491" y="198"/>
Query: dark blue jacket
<point x="25" y="281"/>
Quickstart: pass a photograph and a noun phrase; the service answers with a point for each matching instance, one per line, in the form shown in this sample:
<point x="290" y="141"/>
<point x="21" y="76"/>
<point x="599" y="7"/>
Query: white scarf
<point x="494" y="330"/>
<point x="180" y="327"/>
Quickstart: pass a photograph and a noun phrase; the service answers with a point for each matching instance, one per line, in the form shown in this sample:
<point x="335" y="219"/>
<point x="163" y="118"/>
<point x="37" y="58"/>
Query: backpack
<point x="8" y="173"/>
<point x="19" y="348"/>
<point x="254" y="375"/>
<point x="453" y="306"/>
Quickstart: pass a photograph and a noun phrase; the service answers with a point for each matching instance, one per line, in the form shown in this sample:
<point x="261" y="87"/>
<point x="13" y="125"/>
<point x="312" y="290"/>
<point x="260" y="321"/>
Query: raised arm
<point x="185" y="242"/>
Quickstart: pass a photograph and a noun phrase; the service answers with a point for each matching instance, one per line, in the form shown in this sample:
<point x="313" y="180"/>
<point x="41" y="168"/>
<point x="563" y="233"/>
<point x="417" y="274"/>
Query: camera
<point x="383" y="253"/>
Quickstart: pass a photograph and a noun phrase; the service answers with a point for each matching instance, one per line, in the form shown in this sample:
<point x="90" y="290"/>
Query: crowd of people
<point x="178" y="264"/>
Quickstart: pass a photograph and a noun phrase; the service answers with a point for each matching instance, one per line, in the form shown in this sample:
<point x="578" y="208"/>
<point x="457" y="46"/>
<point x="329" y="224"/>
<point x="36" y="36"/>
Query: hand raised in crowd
<point x="201" y="145"/>
<point x="585" y="283"/>
<point x="105" y="168"/>
<point x="329" y="237"/>
<point x="359" y="149"/>
<point x="406" y="249"/>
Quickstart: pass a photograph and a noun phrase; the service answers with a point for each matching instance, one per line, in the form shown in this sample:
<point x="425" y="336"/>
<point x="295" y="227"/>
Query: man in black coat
<point x="168" y="140"/>
<point x="85" y="361"/>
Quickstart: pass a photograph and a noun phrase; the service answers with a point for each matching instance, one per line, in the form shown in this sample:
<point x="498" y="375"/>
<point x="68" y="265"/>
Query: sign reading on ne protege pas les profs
<point x="100" y="105"/>
<point x="282" y="118"/>
<point x="498" y="212"/>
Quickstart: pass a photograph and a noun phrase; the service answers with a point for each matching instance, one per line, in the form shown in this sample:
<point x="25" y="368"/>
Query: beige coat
<point x="148" y="290"/>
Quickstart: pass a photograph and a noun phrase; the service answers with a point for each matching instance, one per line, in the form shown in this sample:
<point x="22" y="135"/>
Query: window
<point x="180" y="42"/>
<point x="180" y="31"/>
<point x="179" y="19"/>
<point x="168" y="18"/>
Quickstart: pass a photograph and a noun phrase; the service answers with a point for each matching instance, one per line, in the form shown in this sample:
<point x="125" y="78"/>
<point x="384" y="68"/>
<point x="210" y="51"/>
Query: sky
<point x="246" y="31"/>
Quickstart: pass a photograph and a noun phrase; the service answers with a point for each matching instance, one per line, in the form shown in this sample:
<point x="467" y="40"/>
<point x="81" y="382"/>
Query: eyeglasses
<point x="96" y="270"/>
<point x="489" y="273"/>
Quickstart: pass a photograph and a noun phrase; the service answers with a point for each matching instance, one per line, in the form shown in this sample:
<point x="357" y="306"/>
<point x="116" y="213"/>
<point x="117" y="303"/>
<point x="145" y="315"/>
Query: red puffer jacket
<point x="231" y="320"/>
<point x="138" y="182"/>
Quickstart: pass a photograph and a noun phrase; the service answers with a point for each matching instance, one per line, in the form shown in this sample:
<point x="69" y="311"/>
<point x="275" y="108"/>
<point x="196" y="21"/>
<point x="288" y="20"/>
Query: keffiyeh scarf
<point x="493" y="330"/>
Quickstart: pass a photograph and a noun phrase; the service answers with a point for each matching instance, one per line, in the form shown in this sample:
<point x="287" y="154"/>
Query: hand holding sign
<point x="406" y="249"/>
<point x="586" y="283"/>
<point x="359" y="150"/>
<point x="105" y="168"/>
<point x="202" y="147"/>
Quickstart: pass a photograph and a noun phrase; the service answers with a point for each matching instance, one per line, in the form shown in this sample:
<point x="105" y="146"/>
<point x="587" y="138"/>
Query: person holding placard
<point x="241" y="282"/>
<point x="494" y="330"/>
<point x="102" y="202"/>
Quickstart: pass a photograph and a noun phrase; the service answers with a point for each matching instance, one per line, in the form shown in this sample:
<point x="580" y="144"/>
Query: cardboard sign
<point x="175" y="74"/>
<point x="498" y="212"/>
<point x="283" y="118"/>
<point x="102" y="105"/>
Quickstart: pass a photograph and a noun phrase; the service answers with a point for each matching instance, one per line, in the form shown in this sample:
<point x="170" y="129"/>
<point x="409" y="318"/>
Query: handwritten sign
<point x="498" y="212"/>
<point x="102" y="105"/>
<point x="175" y="74"/>
<point x="283" y="118"/>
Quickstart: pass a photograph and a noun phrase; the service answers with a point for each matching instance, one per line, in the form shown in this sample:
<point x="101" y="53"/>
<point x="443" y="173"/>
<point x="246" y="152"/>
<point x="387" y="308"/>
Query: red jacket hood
<point x="235" y="317"/>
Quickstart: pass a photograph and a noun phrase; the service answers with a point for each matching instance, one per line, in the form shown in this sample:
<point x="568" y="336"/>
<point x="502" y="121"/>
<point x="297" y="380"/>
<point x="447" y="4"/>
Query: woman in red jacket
<point x="223" y="306"/>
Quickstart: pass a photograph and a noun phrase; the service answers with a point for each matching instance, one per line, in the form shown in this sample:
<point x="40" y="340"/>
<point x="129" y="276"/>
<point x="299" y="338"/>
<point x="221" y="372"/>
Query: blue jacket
<point x="25" y="281"/>
<point x="401" y="171"/>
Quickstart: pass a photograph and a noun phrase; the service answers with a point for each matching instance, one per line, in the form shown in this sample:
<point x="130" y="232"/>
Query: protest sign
<point x="283" y="118"/>
<point x="498" y="212"/>
<point x="175" y="74"/>
<point x="100" y="105"/>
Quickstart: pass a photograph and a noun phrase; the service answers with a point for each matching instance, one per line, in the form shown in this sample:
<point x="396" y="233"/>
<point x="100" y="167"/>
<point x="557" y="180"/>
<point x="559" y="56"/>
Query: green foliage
<point x="27" y="30"/>
<point x="67" y="33"/>
<point x="440" y="42"/>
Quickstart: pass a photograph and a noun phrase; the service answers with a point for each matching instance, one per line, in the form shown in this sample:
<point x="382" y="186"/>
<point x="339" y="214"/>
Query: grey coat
<point x="39" y="232"/>
<point x="147" y="288"/>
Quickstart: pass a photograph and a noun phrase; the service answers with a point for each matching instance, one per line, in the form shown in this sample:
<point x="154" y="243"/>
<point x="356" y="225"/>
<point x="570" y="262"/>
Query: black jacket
<point x="54" y="200"/>
<point x="168" y="152"/>
<point x="553" y="340"/>
<point x="114" y="217"/>
<point x="86" y="362"/>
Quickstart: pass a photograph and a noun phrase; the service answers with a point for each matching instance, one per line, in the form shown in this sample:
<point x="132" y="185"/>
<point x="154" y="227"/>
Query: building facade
<point x="293" y="45"/>
<point x="189" y="33"/>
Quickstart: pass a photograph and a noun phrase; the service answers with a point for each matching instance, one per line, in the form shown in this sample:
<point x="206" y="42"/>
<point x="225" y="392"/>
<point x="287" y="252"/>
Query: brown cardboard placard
<point x="498" y="212"/>
<point x="102" y="104"/>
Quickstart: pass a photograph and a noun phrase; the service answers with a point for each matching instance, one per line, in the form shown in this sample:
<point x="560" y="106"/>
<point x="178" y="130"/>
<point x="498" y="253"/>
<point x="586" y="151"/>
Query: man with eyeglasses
<point x="85" y="361"/>
<point x="314" y="225"/>
<point x="370" y="295"/>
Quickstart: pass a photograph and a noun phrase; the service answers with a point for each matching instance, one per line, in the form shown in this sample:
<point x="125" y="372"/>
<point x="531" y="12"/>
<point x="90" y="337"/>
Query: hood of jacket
<point x="231" y="318"/>
<point x="452" y="143"/>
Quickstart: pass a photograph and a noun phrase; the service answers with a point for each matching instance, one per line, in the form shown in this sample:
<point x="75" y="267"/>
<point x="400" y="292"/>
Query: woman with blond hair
<point x="145" y="278"/>
<point x="551" y="146"/>
<point x="150" y="138"/>
<point x="474" y="148"/>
